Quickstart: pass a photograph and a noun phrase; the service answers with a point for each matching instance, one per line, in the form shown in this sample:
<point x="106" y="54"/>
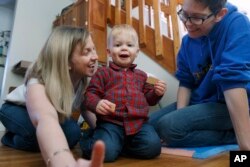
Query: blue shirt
<point x="219" y="61"/>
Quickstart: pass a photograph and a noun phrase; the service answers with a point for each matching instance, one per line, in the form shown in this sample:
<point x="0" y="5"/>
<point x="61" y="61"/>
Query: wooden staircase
<point x="155" y="21"/>
<point x="160" y="43"/>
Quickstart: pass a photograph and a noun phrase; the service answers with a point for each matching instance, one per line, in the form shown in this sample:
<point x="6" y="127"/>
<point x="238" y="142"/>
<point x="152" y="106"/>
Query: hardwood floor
<point x="14" y="158"/>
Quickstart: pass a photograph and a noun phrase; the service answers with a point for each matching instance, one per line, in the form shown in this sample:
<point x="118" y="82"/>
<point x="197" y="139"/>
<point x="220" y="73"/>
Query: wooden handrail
<point x="128" y="7"/>
<point x="176" y="34"/>
<point x="180" y="2"/>
<point x="165" y="8"/>
<point x="118" y="12"/>
<point x="108" y="11"/>
<point x="158" y="37"/>
<point x="142" y="24"/>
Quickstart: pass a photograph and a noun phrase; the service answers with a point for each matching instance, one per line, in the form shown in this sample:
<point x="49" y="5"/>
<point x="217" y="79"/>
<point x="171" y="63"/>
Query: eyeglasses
<point x="194" y="20"/>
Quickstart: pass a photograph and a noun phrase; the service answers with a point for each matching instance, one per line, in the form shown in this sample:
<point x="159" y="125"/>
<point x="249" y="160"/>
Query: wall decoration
<point x="4" y="44"/>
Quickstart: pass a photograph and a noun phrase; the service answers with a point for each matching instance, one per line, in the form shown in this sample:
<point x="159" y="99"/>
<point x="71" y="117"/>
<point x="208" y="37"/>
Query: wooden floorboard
<point x="14" y="158"/>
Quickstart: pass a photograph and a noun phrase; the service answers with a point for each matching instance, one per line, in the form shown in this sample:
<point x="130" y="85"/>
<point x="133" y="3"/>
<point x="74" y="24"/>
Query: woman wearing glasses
<point x="213" y="62"/>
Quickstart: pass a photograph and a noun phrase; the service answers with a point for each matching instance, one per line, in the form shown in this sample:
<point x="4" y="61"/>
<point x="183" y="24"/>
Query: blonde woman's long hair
<point x="52" y="67"/>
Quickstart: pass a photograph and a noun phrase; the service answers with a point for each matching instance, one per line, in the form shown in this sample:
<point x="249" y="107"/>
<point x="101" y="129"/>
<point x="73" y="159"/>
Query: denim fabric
<point x="21" y="133"/>
<point x="143" y="145"/>
<point x="195" y="125"/>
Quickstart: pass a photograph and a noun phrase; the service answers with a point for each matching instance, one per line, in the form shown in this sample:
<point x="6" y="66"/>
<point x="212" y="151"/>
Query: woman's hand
<point x="97" y="157"/>
<point x="98" y="154"/>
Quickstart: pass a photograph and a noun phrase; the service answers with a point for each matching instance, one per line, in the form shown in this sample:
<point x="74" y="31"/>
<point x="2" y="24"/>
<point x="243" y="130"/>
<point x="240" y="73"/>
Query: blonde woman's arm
<point x="50" y="136"/>
<point x="51" y="139"/>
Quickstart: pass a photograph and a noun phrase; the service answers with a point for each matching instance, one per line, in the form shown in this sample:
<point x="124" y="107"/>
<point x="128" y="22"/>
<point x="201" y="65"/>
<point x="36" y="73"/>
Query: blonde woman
<point x="37" y="113"/>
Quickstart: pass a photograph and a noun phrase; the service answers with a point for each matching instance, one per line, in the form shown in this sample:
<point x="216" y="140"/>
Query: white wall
<point x="32" y="25"/>
<point x="146" y="64"/>
<point x="243" y="6"/>
<point x="6" y="17"/>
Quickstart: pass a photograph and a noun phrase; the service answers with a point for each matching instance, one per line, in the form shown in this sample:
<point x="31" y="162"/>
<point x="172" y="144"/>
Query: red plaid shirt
<point x="128" y="90"/>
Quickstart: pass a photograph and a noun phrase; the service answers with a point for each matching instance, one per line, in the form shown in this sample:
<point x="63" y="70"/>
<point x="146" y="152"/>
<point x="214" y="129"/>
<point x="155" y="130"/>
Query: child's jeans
<point x="143" y="145"/>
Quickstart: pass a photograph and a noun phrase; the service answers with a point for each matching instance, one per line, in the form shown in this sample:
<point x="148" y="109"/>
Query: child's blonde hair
<point x="122" y="28"/>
